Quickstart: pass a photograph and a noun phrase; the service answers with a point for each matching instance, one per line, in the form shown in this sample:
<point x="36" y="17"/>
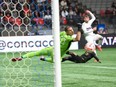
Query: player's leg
<point x="98" y="38"/>
<point x="47" y="58"/>
<point x="90" y="39"/>
<point x="98" y="41"/>
<point x="46" y="52"/>
<point x="91" y="42"/>
<point x="66" y="58"/>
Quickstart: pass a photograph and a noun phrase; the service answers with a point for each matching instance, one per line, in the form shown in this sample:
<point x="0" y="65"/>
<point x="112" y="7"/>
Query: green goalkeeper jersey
<point x="65" y="41"/>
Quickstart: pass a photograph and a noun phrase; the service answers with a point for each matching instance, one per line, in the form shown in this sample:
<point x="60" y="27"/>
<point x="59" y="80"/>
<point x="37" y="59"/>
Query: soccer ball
<point x="90" y="47"/>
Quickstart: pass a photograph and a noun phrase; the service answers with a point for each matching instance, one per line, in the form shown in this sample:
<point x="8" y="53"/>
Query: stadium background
<point x="33" y="17"/>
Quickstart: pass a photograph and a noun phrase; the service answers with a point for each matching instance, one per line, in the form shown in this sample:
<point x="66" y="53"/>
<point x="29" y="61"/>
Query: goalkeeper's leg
<point x="46" y="58"/>
<point x="45" y="52"/>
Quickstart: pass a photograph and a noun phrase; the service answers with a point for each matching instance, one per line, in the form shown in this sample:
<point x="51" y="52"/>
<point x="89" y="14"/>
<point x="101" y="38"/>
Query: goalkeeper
<point x="65" y="42"/>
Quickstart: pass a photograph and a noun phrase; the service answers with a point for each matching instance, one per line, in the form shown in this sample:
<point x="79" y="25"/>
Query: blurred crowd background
<point x="34" y="17"/>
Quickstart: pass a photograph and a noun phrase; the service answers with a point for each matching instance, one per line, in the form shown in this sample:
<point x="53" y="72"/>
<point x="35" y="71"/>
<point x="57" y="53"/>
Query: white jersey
<point x="86" y="27"/>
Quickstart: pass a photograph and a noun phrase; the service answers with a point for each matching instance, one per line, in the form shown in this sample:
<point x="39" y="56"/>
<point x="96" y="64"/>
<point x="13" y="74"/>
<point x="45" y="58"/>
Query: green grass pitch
<point x="35" y="73"/>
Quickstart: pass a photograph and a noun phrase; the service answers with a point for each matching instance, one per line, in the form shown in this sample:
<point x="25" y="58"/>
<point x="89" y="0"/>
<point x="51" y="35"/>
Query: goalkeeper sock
<point x="49" y="60"/>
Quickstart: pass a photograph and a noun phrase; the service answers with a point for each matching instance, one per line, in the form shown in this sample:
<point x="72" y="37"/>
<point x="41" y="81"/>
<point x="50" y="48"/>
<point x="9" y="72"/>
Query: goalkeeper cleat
<point x="99" y="48"/>
<point x="16" y="59"/>
<point x="42" y="58"/>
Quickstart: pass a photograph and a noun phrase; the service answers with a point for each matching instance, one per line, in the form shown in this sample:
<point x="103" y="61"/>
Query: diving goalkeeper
<point x="65" y="42"/>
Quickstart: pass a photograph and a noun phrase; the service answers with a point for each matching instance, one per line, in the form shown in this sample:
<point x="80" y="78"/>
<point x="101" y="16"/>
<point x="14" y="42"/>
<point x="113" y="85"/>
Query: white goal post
<point x="21" y="26"/>
<point x="56" y="35"/>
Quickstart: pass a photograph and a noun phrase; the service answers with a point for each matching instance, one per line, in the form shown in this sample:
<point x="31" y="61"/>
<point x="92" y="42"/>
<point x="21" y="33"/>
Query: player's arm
<point x="94" y="55"/>
<point x="92" y="16"/>
<point x="79" y="32"/>
<point x="78" y="36"/>
<point x="79" y="26"/>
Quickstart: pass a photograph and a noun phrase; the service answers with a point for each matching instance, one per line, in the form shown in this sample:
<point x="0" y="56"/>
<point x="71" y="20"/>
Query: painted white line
<point x="102" y="67"/>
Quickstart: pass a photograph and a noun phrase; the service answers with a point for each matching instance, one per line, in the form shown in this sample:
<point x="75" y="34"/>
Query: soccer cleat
<point x="16" y="59"/>
<point x="42" y="58"/>
<point x="99" y="48"/>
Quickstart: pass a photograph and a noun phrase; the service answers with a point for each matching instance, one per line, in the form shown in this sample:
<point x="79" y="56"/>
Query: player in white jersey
<point x="91" y="37"/>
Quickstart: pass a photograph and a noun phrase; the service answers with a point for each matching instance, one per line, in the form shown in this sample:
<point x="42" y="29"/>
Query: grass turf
<point x="36" y="73"/>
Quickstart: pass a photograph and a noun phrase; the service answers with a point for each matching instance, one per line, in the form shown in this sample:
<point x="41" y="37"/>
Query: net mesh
<point x="25" y="18"/>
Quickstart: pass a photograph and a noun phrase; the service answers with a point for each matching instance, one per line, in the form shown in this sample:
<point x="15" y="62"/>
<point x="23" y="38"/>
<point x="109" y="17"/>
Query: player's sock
<point x="49" y="60"/>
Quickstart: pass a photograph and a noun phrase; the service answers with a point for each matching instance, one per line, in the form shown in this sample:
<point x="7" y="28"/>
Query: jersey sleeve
<point x="92" y="18"/>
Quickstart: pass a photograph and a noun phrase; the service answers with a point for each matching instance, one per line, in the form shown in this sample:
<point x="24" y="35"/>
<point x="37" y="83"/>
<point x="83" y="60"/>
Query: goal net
<point x="25" y="25"/>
